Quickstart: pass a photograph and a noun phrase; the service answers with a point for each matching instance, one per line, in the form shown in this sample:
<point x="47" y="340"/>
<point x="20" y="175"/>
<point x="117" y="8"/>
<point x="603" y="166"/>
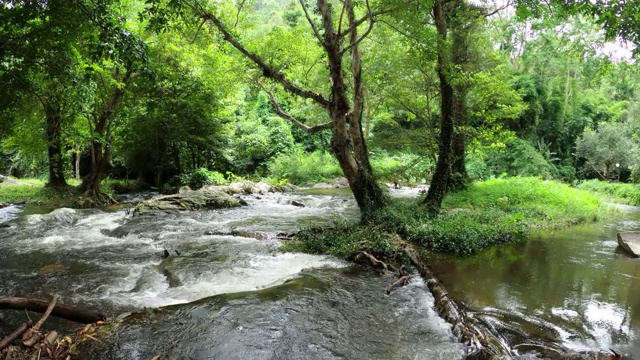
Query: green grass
<point x="33" y="191"/>
<point x="613" y="192"/>
<point x="488" y="213"/>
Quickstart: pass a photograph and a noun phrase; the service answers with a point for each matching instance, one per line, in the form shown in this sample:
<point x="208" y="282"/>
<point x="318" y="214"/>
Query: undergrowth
<point x="614" y="192"/>
<point x="488" y="213"/>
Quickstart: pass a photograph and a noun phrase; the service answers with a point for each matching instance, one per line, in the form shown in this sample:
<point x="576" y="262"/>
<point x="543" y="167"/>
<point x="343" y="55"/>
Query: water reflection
<point x="570" y="285"/>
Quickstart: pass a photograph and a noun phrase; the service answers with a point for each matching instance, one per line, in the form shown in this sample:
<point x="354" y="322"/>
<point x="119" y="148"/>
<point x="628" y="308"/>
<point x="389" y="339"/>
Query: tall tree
<point x="118" y="58"/>
<point x="340" y="41"/>
<point x="39" y="58"/>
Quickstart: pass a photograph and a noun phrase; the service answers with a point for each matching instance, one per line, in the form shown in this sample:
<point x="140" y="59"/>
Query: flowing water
<point x="228" y="297"/>
<point x="572" y="287"/>
<point x="223" y="297"/>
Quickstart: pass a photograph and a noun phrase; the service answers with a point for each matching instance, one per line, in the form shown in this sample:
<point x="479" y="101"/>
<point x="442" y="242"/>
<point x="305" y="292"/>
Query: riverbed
<point x="222" y="297"/>
<point x="229" y="297"/>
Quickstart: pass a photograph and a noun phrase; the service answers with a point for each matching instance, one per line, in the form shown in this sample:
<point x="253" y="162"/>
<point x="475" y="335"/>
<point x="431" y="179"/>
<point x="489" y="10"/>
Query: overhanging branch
<point x="267" y="70"/>
<point x="310" y="21"/>
<point x="293" y="120"/>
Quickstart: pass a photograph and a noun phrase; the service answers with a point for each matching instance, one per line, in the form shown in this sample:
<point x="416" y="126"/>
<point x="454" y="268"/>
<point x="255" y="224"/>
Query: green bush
<point x="345" y="239"/>
<point x="401" y="167"/>
<point x="197" y="179"/>
<point x="618" y="192"/>
<point x="519" y="158"/>
<point x="302" y="168"/>
<point x="487" y="213"/>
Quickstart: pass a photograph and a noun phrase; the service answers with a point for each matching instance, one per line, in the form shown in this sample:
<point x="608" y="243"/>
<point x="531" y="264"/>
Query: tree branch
<point x="296" y="122"/>
<point x="310" y="21"/>
<point x="267" y="70"/>
<point x="498" y="9"/>
<point x="370" y="15"/>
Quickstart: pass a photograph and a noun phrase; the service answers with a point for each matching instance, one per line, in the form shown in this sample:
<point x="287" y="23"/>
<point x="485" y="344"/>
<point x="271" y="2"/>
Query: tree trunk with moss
<point x="54" y="150"/>
<point x="459" y="55"/>
<point x="440" y="179"/>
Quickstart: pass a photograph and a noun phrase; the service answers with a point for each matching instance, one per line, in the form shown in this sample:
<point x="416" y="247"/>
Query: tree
<point x="39" y="62"/>
<point x="345" y="103"/>
<point x="119" y="57"/>
<point x="607" y="148"/>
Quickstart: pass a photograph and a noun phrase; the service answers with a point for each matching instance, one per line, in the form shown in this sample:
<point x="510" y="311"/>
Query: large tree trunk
<point x="440" y="179"/>
<point x="100" y="166"/>
<point x="56" y="167"/>
<point x="459" y="177"/>
<point x="101" y="145"/>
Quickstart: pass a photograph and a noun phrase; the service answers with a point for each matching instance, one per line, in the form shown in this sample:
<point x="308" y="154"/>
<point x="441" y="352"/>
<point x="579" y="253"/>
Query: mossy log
<point x="479" y="345"/>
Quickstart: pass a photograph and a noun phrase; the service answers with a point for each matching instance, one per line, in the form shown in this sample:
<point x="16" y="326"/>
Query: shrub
<point x="487" y="213"/>
<point x="519" y="158"/>
<point x="401" y="167"/>
<point x="197" y="179"/>
<point x="302" y="168"/>
<point x="618" y="192"/>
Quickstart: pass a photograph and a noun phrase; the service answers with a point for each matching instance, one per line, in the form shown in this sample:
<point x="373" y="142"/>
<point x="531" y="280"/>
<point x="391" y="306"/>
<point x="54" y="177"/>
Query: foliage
<point x="345" y="239"/>
<point x="519" y="158"/>
<point x="488" y="213"/>
<point x="401" y="167"/>
<point x="197" y="179"/>
<point x="302" y="168"/>
<point x="606" y="149"/>
<point x="612" y="191"/>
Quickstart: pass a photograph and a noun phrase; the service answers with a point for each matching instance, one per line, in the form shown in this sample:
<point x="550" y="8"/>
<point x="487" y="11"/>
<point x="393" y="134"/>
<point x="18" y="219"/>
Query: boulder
<point x="322" y="186"/>
<point x="341" y="182"/>
<point x="630" y="242"/>
<point x="189" y="200"/>
<point x="64" y="215"/>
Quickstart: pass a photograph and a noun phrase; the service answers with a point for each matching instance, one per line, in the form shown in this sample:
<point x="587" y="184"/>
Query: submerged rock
<point x="64" y="215"/>
<point x="189" y="200"/>
<point x="50" y="269"/>
<point x="630" y="242"/>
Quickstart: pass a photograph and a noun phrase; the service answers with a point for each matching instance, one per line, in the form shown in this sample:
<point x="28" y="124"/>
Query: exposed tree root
<point x="404" y="280"/>
<point x="479" y="345"/>
<point x="93" y="197"/>
<point x="364" y="257"/>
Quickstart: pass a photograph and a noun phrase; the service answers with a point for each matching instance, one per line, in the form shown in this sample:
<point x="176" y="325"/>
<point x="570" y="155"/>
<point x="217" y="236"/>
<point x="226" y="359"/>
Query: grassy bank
<point x="34" y="191"/>
<point x="487" y="213"/>
<point x="613" y="192"/>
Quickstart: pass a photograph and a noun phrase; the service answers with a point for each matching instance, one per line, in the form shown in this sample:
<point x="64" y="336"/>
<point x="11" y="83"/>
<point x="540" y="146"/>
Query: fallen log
<point x="479" y="345"/>
<point x="14" y="335"/>
<point x="67" y="312"/>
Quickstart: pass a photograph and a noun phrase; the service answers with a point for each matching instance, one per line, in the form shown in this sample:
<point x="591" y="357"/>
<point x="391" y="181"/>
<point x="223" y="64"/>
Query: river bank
<point x="125" y="255"/>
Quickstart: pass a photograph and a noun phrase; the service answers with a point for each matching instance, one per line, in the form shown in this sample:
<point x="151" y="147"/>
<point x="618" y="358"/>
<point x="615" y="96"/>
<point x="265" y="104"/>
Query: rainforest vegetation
<point x="166" y="93"/>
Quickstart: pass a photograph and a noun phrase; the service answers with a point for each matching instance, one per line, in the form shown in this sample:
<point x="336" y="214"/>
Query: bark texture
<point x="68" y="312"/>
<point x="440" y="179"/>
<point x="54" y="150"/>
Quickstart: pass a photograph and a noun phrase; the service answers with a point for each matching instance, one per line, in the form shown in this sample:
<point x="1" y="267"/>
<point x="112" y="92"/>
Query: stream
<point x="228" y="297"/>
<point x="223" y="297"/>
